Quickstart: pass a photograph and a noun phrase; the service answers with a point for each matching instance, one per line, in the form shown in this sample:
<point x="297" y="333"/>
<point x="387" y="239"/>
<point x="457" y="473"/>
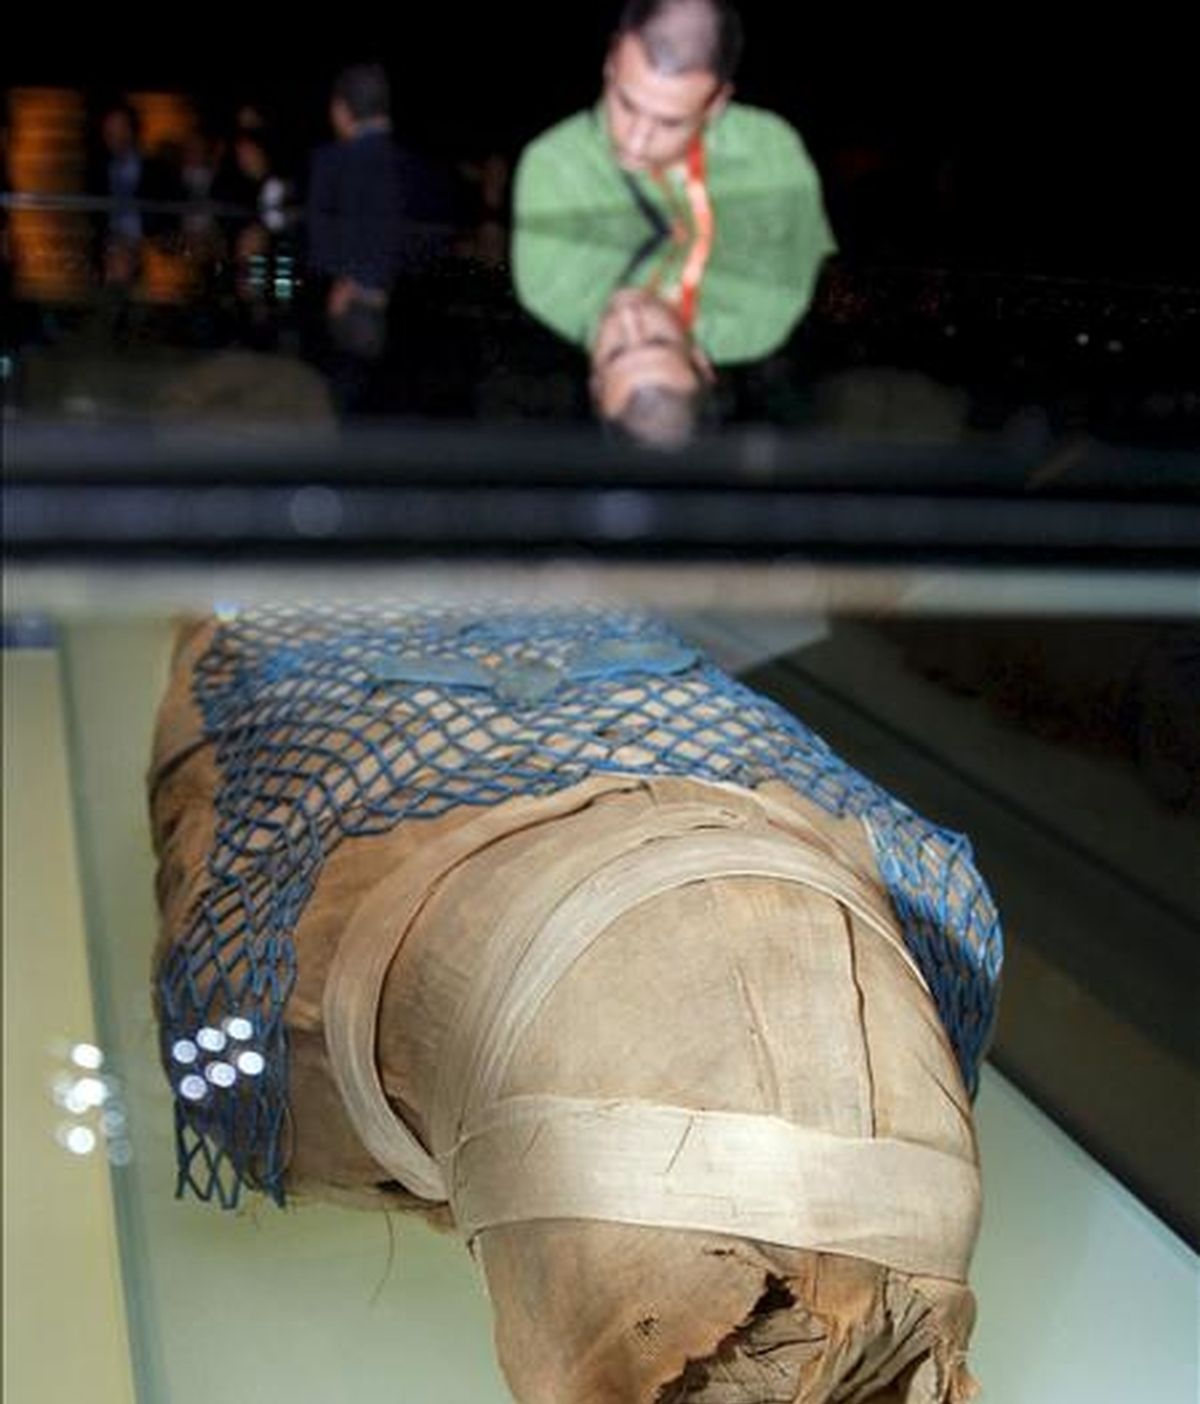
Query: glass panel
<point x="877" y="399"/>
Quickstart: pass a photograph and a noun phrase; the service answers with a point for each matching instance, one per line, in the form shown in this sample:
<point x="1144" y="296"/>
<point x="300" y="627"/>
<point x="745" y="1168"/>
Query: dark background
<point x="986" y="139"/>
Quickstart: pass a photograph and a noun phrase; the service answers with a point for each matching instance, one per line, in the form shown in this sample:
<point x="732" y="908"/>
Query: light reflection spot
<point x="81" y="1140"/>
<point x="87" y="1055"/>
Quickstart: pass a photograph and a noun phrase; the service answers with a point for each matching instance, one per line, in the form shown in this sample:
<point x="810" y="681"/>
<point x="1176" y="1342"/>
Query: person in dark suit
<point x="370" y="209"/>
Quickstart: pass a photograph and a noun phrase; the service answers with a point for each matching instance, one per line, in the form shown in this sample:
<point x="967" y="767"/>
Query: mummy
<point x="542" y="926"/>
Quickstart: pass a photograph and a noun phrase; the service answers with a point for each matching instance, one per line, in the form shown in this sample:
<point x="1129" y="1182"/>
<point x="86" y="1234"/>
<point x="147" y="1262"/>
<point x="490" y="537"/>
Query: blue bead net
<point x="337" y="722"/>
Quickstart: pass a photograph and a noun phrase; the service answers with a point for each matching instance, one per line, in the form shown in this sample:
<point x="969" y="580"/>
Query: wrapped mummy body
<point x="545" y="927"/>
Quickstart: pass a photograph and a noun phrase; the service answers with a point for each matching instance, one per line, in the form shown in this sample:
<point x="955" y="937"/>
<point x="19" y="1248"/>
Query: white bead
<point x="193" y="1087"/>
<point x="184" y="1051"/>
<point x="240" y="1030"/>
<point x="221" y="1074"/>
<point x="251" y="1063"/>
<point x="211" y="1040"/>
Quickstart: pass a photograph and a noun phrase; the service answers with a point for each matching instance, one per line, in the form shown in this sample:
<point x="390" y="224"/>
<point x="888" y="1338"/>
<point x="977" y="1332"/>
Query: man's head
<point x="120" y="129"/>
<point x="362" y="97"/>
<point x="251" y="157"/>
<point x="649" y="379"/>
<point x="669" y="72"/>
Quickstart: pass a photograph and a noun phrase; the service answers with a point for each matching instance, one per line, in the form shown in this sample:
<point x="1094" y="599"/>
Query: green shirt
<point x="579" y="230"/>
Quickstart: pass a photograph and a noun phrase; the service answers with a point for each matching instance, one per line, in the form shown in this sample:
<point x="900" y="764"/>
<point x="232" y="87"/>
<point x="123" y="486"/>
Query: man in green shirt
<point x="712" y="207"/>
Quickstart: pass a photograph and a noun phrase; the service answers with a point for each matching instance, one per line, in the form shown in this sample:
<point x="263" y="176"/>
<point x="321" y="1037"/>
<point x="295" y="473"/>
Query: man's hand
<point x="341" y="295"/>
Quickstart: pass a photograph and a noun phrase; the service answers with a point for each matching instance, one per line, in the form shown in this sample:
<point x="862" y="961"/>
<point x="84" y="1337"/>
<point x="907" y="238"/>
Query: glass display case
<point x="950" y="524"/>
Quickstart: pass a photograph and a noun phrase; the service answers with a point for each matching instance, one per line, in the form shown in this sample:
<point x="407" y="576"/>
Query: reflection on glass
<point x="79" y="1140"/>
<point x="91" y="1091"/>
<point x="95" y="1102"/>
<point x="649" y="376"/>
<point x="113" y="1121"/>
<point x="74" y="1100"/>
<point x="667" y="238"/>
<point x="87" y="1055"/>
<point x="711" y="210"/>
<point x="364" y="191"/>
<point x="120" y="1153"/>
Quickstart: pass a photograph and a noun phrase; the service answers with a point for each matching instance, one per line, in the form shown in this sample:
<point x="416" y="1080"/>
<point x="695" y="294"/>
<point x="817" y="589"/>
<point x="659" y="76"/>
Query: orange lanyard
<point x="665" y="270"/>
<point x="704" y="224"/>
<point x="703" y="229"/>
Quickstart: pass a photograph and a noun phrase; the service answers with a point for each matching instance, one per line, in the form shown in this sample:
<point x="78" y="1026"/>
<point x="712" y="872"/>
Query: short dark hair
<point x="124" y="108"/>
<point x="686" y="36"/>
<point x="365" y="90"/>
<point x="659" y="417"/>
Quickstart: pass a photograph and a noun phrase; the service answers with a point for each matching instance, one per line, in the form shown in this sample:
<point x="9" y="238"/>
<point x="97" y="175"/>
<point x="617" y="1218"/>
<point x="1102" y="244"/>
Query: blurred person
<point x="667" y="184"/>
<point x="198" y="167"/>
<point x="649" y="379"/>
<point x="121" y="143"/>
<point x="257" y="238"/>
<point x="489" y="182"/>
<point x="6" y="188"/>
<point x="130" y="178"/>
<point x="275" y="191"/>
<point x="9" y="335"/>
<point x="120" y="172"/>
<point x="365" y="197"/>
<point x="250" y="177"/>
<point x="250" y="118"/>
